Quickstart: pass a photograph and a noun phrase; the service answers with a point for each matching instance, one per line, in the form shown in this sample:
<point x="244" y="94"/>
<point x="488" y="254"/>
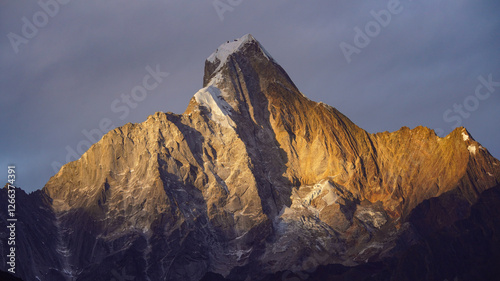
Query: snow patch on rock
<point x="329" y="196"/>
<point x="472" y="149"/>
<point x="220" y="111"/>
<point x="368" y="215"/>
<point x="240" y="253"/>
<point x="372" y="246"/>
<point x="465" y="136"/>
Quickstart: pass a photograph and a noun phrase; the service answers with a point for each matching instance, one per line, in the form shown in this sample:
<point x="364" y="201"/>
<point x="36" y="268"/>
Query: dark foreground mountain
<point x="255" y="181"/>
<point x="5" y="276"/>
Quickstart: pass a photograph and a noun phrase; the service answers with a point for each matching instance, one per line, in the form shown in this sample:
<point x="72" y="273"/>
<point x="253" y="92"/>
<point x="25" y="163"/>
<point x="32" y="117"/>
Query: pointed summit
<point x="221" y="55"/>
<point x="238" y="75"/>
<point x="246" y="46"/>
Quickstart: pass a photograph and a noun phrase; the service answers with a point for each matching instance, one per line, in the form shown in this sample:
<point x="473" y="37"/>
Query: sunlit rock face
<point x="253" y="180"/>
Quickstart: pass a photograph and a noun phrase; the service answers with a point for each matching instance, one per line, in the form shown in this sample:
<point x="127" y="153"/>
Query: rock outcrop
<point x="253" y="179"/>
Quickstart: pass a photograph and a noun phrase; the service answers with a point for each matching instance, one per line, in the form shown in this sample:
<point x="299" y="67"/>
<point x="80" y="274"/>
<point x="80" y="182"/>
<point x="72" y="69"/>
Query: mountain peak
<point x="229" y="49"/>
<point x="237" y="75"/>
<point x="225" y="50"/>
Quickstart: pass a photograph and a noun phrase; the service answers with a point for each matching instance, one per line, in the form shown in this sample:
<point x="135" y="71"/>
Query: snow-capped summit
<point x="222" y="54"/>
<point x="236" y="75"/>
<point x="230" y="47"/>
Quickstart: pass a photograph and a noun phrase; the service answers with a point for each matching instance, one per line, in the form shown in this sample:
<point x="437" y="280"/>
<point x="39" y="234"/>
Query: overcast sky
<point x="65" y="67"/>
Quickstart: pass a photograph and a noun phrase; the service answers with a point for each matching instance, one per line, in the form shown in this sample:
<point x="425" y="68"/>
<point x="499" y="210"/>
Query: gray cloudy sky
<point x="81" y="58"/>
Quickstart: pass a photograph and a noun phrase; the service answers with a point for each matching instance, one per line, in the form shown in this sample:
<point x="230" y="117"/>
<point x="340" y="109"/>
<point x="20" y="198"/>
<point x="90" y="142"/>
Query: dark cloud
<point x="63" y="81"/>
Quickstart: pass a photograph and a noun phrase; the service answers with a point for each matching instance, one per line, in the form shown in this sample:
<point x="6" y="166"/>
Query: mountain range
<point x="254" y="181"/>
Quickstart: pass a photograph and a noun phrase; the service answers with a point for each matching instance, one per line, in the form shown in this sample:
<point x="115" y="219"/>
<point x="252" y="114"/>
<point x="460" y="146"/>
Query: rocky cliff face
<point x="253" y="179"/>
